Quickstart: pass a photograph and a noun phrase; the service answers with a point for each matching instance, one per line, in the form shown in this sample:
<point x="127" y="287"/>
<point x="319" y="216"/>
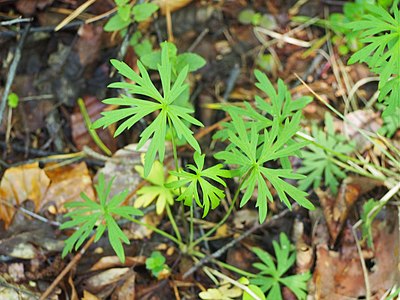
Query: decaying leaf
<point x="19" y="184"/>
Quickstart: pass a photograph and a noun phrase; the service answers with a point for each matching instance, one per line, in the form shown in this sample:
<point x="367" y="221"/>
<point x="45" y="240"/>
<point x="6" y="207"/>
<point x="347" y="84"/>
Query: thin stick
<point x="12" y="70"/>
<point x="64" y="272"/>
<point x="74" y="14"/>
<point x="222" y="250"/>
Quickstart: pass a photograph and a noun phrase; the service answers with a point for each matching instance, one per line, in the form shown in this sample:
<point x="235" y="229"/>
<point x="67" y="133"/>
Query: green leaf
<point x="193" y="60"/>
<point x="163" y="105"/>
<point x="156" y="263"/>
<point x="158" y="191"/>
<point x="250" y="152"/>
<point x="143" y="11"/>
<point x="124" y="12"/>
<point x="13" y="100"/>
<point x="89" y="214"/>
<point x="380" y="31"/>
<point x="318" y="164"/>
<point x="198" y="183"/>
<point x="272" y="274"/>
<point x="116" y="23"/>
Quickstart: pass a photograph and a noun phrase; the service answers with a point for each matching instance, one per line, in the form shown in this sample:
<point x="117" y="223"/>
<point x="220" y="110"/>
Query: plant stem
<point x="223" y="220"/>
<point x="175" y="153"/>
<point x="225" y="265"/>
<point x="159" y="231"/>
<point x="91" y="131"/>
<point x="173" y="223"/>
<point x="191" y="236"/>
<point x="345" y="157"/>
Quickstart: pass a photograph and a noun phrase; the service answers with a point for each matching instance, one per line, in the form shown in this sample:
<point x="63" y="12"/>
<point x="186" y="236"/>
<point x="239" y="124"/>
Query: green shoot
<point x="271" y="275"/>
<point x="199" y="178"/>
<point x="89" y="215"/>
<point x="163" y="105"/>
<point x="127" y="14"/>
<point x="158" y="191"/>
<point x="250" y="159"/>
<point x="156" y="263"/>
<point x="380" y="31"/>
<point x="318" y="163"/>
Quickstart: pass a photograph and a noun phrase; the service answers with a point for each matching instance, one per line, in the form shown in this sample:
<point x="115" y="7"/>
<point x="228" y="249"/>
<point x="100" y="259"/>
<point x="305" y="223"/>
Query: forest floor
<point x="55" y="68"/>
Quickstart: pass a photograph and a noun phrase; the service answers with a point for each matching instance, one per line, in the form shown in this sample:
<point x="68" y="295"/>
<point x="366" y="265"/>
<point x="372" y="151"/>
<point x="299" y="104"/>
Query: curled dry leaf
<point x="67" y="183"/>
<point x="171" y="5"/>
<point x="19" y="184"/>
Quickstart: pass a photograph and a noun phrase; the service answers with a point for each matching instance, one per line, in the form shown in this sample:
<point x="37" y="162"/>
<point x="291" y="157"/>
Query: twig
<point x="222" y="250"/>
<point x="75" y="14"/>
<point x="363" y="265"/>
<point x="64" y="272"/>
<point x="12" y="70"/>
<point x="234" y="282"/>
<point x="198" y="40"/>
<point x="16" y="21"/>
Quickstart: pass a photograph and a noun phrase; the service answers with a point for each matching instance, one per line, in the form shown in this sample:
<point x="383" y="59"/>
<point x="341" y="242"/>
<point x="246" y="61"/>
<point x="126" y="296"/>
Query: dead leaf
<point x="19" y="184"/>
<point x="67" y="183"/>
<point x="364" y="120"/>
<point x="127" y="289"/>
<point x="107" y="262"/>
<point x="245" y="217"/>
<point x="98" y="282"/>
<point x="171" y="5"/>
<point x="336" y="210"/>
<point x="89" y="296"/>
<point x="338" y="274"/>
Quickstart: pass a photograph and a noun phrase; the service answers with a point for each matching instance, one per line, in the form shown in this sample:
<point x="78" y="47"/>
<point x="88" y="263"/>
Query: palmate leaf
<point x="197" y="183"/>
<point x="380" y="31"/>
<point x="89" y="215"/>
<point x="167" y="112"/>
<point x="318" y="164"/>
<point x="272" y="275"/>
<point x="280" y="106"/>
<point x="250" y="158"/>
<point x="158" y="192"/>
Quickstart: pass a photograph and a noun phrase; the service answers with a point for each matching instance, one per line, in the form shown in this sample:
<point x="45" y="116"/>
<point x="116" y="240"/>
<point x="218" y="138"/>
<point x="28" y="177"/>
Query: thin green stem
<point x="361" y="172"/>
<point x="345" y="157"/>
<point x="176" y="161"/>
<point x="223" y="220"/>
<point x="159" y="231"/>
<point x="191" y="234"/>
<point x="173" y="223"/>
<point x="225" y="265"/>
<point x="91" y="131"/>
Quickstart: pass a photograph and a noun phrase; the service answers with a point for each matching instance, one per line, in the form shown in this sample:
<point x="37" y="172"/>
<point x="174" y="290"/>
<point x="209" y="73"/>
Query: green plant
<point x="13" y="100"/>
<point x="319" y="163"/>
<point x="126" y="14"/>
<point x="380" y="32"/>
<point x="156" y="263"/>
<point x="89" y="215"/>
<point x="249" y="16"/>
<point x="271" y="275"/>
<point x="199" y="178"/>
<point x="158" y="190"/>
<point x="169" y="115"/>
<point x="252" y="146"/>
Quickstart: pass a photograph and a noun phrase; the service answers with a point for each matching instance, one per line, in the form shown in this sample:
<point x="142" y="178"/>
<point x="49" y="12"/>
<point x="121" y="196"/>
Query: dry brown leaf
<point x="336" y="210"/>
<point x="172" y="5"/>
<point x="338" y="274"/>
<point x="67" y="183"/>
<point x="19" y="184"/>
<point x="107" y="262"/>
<point x="89" y="296"/>
<point x="98" y="282"/>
